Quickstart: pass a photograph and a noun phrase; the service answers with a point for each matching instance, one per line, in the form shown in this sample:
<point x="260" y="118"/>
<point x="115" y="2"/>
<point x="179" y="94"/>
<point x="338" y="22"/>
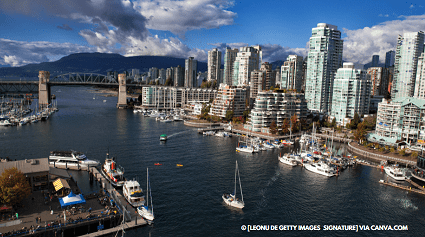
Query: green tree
<point x="333" y="124"/>
<point x="273" y="127"/>
<point x="13" y="186"/>
<point x="245" y="114"/>
<point x="360" y="132"/>
<point x="229" y="115"/>
<point x="414" y="154"/>
<point x="169" y="81"/>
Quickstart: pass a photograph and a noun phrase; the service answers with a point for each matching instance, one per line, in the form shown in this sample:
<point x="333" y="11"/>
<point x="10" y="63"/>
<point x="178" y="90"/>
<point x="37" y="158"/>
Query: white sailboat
<point x="144" y="210"/>
<point x="230" y="199"/>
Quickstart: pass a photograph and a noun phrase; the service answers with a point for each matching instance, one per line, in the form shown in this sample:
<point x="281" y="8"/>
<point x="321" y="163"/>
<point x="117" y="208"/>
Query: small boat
<point x="144" y="210"/>
<point x="395" y="172"/>
<point x="320" y="168"/>
<point x="113" y="172"/>
<point x="288" y="160"/>
<point x="179" y="165"/>
<point x="133" y="193"/>
<point x="230" y="199"/>
<point x="163" y="137"/>
<point x="157" y="164"/>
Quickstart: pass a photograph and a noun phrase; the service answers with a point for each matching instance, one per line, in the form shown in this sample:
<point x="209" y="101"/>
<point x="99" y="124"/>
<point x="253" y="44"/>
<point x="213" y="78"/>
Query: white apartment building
<point x="229" y="98"/>
<point x="167" y="98"/>
<point x="351" y="93"/>
<point x="214" y="65"/>
<point x="247" y="60"/>
<point x="291" y="75"/>
<point x="229" y="59"/>
<point x="324" y="59"/>
<point x="400" y="120"/>
<point x="276" y="106"/>
<point x="256" y="85"/>
<point x="409" y="47"/>
<point x="420" y="78"/>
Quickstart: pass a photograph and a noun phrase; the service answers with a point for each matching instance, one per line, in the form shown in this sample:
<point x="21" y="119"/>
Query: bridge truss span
<point x="76" y="78"/>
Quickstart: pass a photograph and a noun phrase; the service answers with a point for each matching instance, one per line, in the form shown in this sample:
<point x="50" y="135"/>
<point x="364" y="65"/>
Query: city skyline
<point x="38" y="31"/>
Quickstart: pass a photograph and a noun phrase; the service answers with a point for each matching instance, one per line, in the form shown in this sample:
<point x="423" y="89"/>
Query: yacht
<point x="133" y="193"/>
<point x="288" y="160"/>
<point x="4" y="122"/>
<point x="395" y="172"/>
<point x="320" y="168"/>
<point x="112" y="172"/>
<point x="71" y="159"/>
<point x="177" y="118"/>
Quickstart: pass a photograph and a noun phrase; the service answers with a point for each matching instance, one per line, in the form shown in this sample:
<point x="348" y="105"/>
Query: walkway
<point x="361" y="150"/>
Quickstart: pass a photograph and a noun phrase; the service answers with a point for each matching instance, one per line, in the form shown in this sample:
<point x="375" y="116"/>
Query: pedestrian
<point x="36" y="220"/>
<point x="17" y="217"/>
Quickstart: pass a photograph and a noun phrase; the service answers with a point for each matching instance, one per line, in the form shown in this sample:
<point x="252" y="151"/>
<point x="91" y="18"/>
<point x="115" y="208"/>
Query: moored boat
<point x="320" y="168"/>
<point x="395" y="172"/>
<point x="71" y="159"/>
<point x="288" y="160"/>
<point x="112" y="172"/>
<point x="133" y="193"/>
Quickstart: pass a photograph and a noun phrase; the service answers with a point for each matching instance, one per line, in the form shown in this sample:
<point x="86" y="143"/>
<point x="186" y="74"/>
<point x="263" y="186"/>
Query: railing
<point x="377" y="156"/>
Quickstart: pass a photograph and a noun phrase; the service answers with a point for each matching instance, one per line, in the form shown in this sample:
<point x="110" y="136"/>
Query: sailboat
<point x="230" y="199"/>
<point x="144" y="210"/>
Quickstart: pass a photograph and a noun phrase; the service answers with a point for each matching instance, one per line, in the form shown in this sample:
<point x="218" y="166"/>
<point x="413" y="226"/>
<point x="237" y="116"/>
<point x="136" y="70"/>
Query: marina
<point x="209" y="167"/>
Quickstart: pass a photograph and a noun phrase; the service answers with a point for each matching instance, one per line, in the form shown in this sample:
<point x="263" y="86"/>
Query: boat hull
<point x="288" y="161"/>
<point x="145" y="213"/>
<point x="233" y="203"/>
<point x="314" y="169"/>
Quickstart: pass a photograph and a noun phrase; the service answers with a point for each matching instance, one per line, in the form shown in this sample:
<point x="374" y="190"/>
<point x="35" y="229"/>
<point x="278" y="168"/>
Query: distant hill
<point x="97" y="63"/>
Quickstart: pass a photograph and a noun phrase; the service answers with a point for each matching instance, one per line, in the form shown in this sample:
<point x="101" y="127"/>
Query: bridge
<point x="42" y="86"/>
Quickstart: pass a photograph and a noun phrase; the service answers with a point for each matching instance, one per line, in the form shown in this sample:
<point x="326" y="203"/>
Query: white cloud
<point x="361" y="44"/>
<point x="181" y="16"/>
<point x="19" y="53"/>
<point x="155" y="46"/>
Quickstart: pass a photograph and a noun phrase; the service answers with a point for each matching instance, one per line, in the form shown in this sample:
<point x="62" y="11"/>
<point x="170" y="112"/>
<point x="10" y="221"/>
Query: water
<point x="187" y="200"/>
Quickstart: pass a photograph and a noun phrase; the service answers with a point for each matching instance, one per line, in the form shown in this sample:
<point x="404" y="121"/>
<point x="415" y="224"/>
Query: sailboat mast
<point x="240" y="184"/>
<point x="147" y="186"/>
<point x="236" y="169"/>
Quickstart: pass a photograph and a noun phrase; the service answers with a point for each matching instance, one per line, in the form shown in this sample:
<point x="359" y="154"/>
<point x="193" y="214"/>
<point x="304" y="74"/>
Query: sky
<point x="35" y="31"/>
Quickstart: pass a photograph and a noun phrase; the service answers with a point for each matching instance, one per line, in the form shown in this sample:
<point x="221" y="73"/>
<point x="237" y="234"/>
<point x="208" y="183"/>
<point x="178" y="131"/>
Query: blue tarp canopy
<point x="71" y="199"/>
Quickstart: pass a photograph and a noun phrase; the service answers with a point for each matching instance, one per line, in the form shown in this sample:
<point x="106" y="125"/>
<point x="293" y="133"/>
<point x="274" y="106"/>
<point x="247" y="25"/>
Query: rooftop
<point x="26" y="166"/>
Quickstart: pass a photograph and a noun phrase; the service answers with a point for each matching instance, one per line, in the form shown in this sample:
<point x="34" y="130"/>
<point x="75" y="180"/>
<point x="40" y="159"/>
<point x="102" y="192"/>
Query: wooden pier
<point x="407" y="188"/>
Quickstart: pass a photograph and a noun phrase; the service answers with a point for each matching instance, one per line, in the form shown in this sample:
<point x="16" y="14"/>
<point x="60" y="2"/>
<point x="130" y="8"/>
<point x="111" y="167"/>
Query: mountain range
<point x="96" y="63"/>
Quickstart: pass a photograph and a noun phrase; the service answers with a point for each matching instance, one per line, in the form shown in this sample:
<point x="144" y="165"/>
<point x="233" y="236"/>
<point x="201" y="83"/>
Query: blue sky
<point x="34" y="31"/>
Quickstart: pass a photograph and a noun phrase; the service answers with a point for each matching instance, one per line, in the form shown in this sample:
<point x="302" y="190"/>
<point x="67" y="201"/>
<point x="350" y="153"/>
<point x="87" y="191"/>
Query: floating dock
<point x="404" y="187"/>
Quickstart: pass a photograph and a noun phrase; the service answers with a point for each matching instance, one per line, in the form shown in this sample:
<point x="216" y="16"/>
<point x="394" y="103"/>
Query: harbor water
<point x="187" y="199"/>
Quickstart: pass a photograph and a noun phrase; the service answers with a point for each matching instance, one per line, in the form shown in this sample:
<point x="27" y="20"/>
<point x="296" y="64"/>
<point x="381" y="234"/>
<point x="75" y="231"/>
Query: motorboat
<point x="5" y="122"/>
<point x="113" y="172"/>
<point x="288" y="160"/>
<point x="395" y="172"/>
<point x="320" y="168"/>
<point x="219" y="134"/>
<point x="231" y="199"/>
<point x="71" y="159"/>
<point x="163" y="137"/>
<point x="177" y="118"/>
<point x="133" y="193"/>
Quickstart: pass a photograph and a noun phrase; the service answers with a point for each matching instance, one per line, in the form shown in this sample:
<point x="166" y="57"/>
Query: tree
<point x="392" y="150"/>
<point x="333" y="124"/>
<point x="294" y="127"/>
<point x="414" y="154"/>
<point x="402" y="152"/>
<point x="13" y="186"/>
<point x="273" y="127"/>
<point x="245" y="114"/>
<point x="168" y="82"/>
<point x="229" y="115"/>
<point x="360" y="133"/>
<point x="285" y="126"/>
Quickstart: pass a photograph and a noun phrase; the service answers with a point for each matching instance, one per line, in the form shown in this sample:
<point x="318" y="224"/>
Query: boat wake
<point x="263" y="197"/>
<point x="406" y="204"/>
<point x="172" y="135"/>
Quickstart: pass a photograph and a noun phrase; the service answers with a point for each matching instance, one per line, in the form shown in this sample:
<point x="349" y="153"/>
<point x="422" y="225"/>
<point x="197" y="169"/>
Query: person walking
<point x="36" y="220"/>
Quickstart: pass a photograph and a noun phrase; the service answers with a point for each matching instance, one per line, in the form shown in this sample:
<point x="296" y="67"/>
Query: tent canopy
<point x="72" y="199"/>
<point x="60" y="183"/>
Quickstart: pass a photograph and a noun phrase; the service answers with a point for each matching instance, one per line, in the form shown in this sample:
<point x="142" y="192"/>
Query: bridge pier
<point x="122" y="91"/>
<point x="43" y="89"/>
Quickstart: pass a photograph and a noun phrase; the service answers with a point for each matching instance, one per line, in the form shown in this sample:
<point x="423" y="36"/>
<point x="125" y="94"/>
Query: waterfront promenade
<point x="370" y="153"/>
